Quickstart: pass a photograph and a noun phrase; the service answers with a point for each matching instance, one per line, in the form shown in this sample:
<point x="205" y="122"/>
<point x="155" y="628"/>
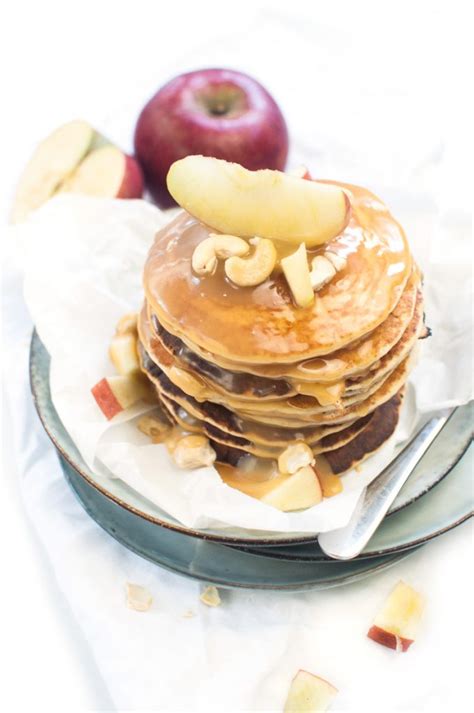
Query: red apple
<point x="213" y="112"/>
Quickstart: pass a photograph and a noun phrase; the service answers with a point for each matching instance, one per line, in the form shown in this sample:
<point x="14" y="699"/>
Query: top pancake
<point x="262" y="324"/>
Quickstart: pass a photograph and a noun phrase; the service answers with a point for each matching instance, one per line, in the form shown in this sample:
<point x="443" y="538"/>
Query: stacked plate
<point x="233" y="558"/>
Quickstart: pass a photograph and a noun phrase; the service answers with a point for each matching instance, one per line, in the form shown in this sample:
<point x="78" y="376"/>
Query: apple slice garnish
<point x="298" y="491"/>
<point x="106" y="173"/>
<point x="309" y="694"/>
<point x="395" y="626"/>
<point x="54" y="159"/>
<point x="114" y="394"/>
<point x="268" y="204"/>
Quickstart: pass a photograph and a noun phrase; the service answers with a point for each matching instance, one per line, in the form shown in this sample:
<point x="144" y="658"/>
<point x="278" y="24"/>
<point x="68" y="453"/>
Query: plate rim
<point x="200" y="534"/>
<point x="328" y="582"/>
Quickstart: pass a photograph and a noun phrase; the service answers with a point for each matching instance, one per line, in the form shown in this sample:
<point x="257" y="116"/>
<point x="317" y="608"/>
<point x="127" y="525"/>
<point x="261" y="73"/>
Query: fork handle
<point x="349" y="541"/>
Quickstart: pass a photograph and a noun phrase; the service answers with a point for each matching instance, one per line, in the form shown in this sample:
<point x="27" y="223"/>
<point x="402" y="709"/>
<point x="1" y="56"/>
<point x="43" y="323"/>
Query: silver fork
<point x="349" y="541"/>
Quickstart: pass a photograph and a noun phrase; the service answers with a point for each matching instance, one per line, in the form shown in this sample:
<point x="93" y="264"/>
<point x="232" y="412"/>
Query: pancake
<point x="352" y="360"/>
<point x="188" y="423"/>
<point x="370" y="439"/>
<point x="255" y="374"/>
<point x="234" y="385"/>
<point x="209" y="311"/>
<point x="221" y="417"/>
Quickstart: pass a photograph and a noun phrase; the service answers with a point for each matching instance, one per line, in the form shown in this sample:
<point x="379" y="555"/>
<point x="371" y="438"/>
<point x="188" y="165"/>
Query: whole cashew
<point x="206" y="253"/>
<point x="251" y="271"/>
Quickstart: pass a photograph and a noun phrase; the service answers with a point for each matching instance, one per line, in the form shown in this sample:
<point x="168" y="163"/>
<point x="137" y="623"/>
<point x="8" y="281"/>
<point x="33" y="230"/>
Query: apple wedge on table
<point x="75" y="158"/>
<point x="309" y="694"/>
<point x="396" y="625"/>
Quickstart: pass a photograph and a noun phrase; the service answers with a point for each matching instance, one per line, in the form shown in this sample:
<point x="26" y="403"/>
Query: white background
<point x="100" y="61"/>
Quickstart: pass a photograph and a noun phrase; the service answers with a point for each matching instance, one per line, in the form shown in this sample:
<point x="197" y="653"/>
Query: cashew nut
<point x="204" y="260"/>
<point x="193" y="452"/>
<point x="127" y="324"/>
<point x="295" y="457"/>
<point x="229" y="246"/>
<point x="157" y="429"/>
<point x="251" y="271"/>
<point x="337" y="260"/>
<point x="322" y="272"/>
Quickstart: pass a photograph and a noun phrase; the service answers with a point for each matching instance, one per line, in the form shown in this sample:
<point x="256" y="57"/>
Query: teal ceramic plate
<point x="211" y="562"/>
<point x="398" y="532"/>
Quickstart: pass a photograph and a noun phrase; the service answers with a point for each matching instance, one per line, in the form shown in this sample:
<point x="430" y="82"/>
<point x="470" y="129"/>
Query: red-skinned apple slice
<point x="113" y="394"/>
<point x="108" y="173"/>
<point x="123" y="353"/>
<point x="268" y="204"/>
<point x="395" y="626"/>
<point x="54" y="159"/>
<point x="298" y="491"/>
<point x="309" y="694"/>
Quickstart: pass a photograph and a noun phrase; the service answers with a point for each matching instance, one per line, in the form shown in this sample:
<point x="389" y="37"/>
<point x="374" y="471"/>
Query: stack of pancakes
<point x="255" y="373"/>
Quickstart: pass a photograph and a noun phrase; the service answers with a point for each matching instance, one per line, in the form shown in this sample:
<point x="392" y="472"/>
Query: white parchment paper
<point x="83" y="260"/>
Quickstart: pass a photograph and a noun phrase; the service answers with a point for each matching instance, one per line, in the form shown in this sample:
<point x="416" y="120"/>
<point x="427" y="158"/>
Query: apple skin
<point x="386" y="638"/>
<point x="132" y="184"/>
<point x="212" y="112"/>
<point x="106" y="400"/>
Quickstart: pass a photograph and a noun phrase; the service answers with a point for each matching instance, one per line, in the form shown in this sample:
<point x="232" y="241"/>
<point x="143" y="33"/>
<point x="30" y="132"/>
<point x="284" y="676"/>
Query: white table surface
<point x="96" y="60"/>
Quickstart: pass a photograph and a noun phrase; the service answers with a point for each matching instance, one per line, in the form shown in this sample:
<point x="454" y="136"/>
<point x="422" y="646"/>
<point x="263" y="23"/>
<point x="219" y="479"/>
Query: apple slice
<point x="300" y="490"/>
<point x="123" y="353"/>
<point x="296" y="270"/>
<point x="54" y="159"/>
<point x="269" y="204"/>
<point x="309" y="694"/>
<point x="106" y="173"/>
<point x="396" y="624"/>
<point x="113" y="394"/>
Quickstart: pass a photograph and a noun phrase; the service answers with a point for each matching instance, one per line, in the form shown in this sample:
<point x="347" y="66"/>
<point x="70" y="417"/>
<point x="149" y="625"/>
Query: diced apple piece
<point x="322" y="272"/>
<point x="309" y="694"/>
<point x="210" y="596"/>
<point x="138" y="598"/>
<point x="123" y="353"/>
<point x="331" y="484"/>
<point x="54" y="159"/>
<point x="395" y="626"/>
<point x="113" y="394"/>
<point x="108" y="173"/>
<point x="300" y="490"/>
<point x="296" y="270"/>
<point x="270" y="204"/>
